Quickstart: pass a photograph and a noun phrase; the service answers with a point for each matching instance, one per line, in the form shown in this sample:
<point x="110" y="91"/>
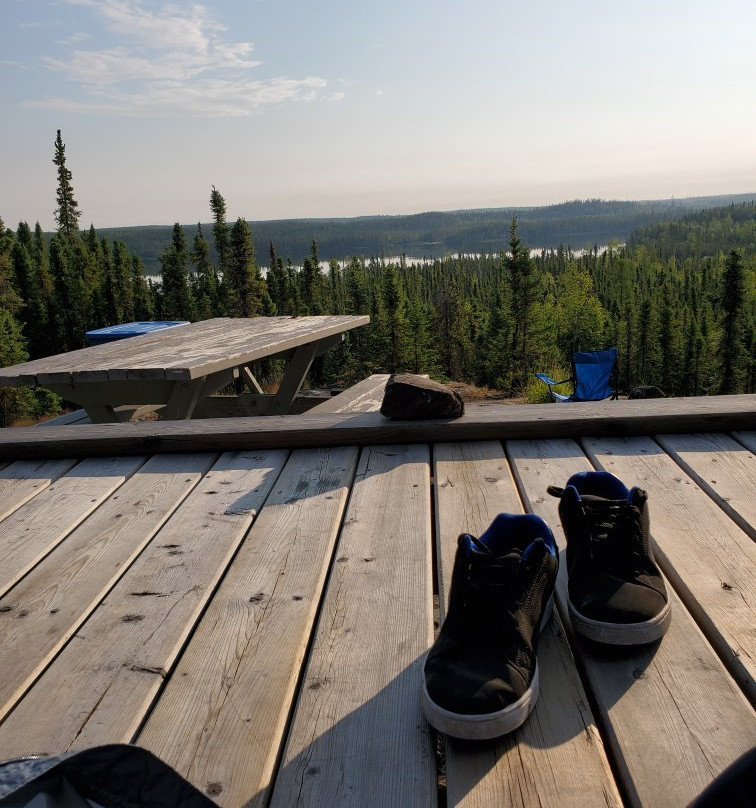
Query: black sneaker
<point x="481" y="676"/>
<point x="616" y="592"/>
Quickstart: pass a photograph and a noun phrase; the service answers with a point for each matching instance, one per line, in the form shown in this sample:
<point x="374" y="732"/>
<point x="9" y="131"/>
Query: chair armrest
<point x="548" y="380"/>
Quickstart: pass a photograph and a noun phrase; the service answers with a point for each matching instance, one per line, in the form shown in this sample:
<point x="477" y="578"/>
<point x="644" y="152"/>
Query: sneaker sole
<point x="481" y="727"/>
<point x="621" y="633"/>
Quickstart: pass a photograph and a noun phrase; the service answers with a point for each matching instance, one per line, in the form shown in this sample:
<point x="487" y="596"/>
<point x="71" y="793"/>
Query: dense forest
<point x="578" y="224"/>
<point x="679" y="300"/>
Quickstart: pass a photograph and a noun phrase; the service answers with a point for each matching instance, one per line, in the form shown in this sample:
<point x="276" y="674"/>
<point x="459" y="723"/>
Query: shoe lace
<point x="616" y="537"/>
<point x="491" y="584"/>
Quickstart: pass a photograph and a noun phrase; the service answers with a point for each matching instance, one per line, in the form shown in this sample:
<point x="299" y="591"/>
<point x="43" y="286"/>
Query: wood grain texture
<point x="34" y="529"/>
<point x="671" y="714"/>
<point x="358" y="737"/>
<point x="102" y="684"/>
<point x="183" y="353"/>
<point x="365" y="396"/>
<point x="723" y="468"/>
<point x="613" y="418"/>
<point x="221" y="718"/>
<point x="557" y="756"/>
<point x="40" y="614"/>
<point x="708" y="558"/>
<point x="21" y="481"/>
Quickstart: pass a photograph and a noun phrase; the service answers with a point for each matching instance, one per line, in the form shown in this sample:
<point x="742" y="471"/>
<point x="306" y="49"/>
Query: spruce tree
<point x="177" y="302"/>
<point x="221" y="236"/>
<point x="244" y="284"/>
<point x="523" y="283"/>
<point x="206" y="292"/>
<point x="732" y="343"/>
<point x="393" y="320"/>
<point x="67" y="212"/>
<point x="144" y="304"/>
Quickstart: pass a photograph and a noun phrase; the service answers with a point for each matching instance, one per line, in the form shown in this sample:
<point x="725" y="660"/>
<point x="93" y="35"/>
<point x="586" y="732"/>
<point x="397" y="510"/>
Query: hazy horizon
<point x="331" y="110"/>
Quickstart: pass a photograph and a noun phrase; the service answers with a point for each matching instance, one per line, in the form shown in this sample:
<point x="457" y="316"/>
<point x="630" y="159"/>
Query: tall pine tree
<point x="67" y="212"/>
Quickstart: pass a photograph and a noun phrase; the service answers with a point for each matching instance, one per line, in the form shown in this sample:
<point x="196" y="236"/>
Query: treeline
<point x="679" y="301"/>
<point x="580" y="223"/>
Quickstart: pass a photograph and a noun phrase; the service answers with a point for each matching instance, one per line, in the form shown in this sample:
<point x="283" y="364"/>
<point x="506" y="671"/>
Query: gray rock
<point x="409" y="397"/>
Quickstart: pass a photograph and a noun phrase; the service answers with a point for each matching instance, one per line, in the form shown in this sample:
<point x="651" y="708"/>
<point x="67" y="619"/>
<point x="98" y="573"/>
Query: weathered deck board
<point x="41" y="613"/>
<point x="723" y="468"/>
<point x="529" y="421"/>
<point x="747" y="438"/>
<point x="102" y="684"/>
<point x="672" y="715"/>
<point x="358" y="737"/>
<point x="24" y="479"/>
<point x="557" y="756"/>
<point x="365" y="396"/>
<point x="221" y="718"/>
<point x="708" y="558"/>
<point x="31" y="531"/>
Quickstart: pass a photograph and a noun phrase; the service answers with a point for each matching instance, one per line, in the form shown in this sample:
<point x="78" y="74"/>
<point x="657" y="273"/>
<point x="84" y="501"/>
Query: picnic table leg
<point x="101" y="414"/>
<point x="183" y="400"/>
<point x="293" y="378"/>
<point x="248" y="378"/>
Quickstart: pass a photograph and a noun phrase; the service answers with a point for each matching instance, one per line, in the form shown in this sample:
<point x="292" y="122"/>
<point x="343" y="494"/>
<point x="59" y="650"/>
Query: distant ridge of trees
<point x="577" y="224"/>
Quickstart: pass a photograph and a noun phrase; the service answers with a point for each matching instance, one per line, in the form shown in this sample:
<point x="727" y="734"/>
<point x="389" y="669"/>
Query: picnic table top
<point x="185" y="352"/>
<point x="258" y="617"/>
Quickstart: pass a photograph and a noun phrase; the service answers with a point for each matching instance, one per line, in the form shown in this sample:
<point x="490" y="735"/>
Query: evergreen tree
<point x="244" y="284"/>
<point x="144" y="305"/>
<point x="312" y="283"/>
<point x="67" y="212"/>
<point x="278" y="284"/>
<point x="523" y="283"/>
<point x="421" y="356"/>
<point x="14" y="402"/>
<point x="177" y="303"/>
<point x="453" y="312"/>
<point x="206" y="292"/>
<point x="221" y="236"/>
<point x="393" y="320"/>
<point x="72" y="299"/>
<point x="122" y="280"/>
<point x="356" y="287"/>
<point x="732" y="345"/>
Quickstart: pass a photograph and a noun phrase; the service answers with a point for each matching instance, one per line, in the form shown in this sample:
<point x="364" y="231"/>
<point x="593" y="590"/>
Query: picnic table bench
<point x="257" y="616"/>
<point x="176" y="368"/>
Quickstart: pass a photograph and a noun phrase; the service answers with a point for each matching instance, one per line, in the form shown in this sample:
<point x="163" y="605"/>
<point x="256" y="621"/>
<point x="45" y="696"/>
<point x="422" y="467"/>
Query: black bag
<point x="112" y="776"/>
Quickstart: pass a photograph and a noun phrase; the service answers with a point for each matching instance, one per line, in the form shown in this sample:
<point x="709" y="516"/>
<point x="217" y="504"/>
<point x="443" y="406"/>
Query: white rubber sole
<point x="484" y="726"/>
<point x="621" y="633"/>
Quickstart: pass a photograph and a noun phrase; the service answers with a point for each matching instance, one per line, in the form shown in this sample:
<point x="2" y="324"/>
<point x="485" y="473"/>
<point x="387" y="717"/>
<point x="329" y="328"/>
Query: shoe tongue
<point x="594" y="499"/>
<point x="512" y="554"/>
<point x="475" y="545"/>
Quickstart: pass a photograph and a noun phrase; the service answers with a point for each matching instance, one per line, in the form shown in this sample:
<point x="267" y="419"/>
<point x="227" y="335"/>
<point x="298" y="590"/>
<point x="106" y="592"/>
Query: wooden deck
<point x="258" y="617"/>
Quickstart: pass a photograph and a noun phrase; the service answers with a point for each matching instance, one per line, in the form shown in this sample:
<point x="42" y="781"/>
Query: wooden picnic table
<point x="177" y="368"/>
<point x="258" y="618"/>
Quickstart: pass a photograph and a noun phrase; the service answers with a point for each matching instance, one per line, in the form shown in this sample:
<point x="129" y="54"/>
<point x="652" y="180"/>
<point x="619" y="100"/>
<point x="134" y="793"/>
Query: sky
<point x="320" y="108"/>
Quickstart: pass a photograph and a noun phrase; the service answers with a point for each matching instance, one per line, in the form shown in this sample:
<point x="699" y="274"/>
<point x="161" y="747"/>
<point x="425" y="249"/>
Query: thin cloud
<point x="171" y="60"/>
<point x="79" y="36"/>
<point x="200" y="98"/>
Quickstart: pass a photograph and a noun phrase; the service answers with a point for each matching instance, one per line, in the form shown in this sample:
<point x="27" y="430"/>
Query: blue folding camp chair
<point x="593" y="377"/>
